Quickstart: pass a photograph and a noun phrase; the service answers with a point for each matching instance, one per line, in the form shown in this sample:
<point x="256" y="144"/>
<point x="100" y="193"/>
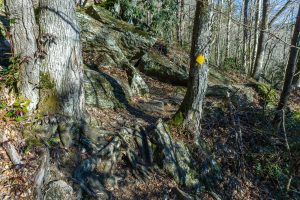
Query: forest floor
<point x="252" y="156"/>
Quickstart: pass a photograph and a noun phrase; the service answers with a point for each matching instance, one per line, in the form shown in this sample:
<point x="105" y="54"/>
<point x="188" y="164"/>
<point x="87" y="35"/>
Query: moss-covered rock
<point x="110" y="42"/>
<point x="269" y="95"/>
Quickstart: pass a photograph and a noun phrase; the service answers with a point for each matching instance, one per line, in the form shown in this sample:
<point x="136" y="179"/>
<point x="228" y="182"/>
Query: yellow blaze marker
<point x="200" y="59"/>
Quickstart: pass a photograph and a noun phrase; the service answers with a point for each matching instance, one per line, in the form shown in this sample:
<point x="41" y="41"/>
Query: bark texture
<point x="296" y="79"/>
<point x="23" y="40"/>
<point x="291" y="67"/>
<point x="256" y="35"/>
<point x="245" y="33"/>
<point x="219" y="39"/>
<point x="229" y="21"/>
<point x="191" y="107"/>
<point x="62" y="66"/>
<point x="258" y="66"/>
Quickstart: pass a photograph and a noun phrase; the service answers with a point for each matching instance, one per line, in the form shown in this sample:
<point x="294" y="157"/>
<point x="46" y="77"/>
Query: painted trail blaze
<point x="200" y="59"/>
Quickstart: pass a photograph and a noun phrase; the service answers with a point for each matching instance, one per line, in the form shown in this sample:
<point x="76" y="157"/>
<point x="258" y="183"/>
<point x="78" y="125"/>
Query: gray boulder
<point x="99" y="91"/>
<point x="59" y="190"/>
<point x="240" y="94"/>
<point x="160" y="67"/>
<point x="105" y="91"/>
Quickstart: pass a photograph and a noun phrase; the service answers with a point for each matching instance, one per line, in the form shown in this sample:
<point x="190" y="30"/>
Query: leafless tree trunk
<point x="23" y="32"/>
<point x="191" y="108"/>
<point x="296" y="79"/>
<point x="182" y="17"/>
<point x="229" y="21"/>
<point x="218" y="40"/>
<point x="290" y="70"/>
<point x="256" y="35"/>
<point x="245" y="33"/>
<point x="261" y="41"/>
<point x="238" y="40"/>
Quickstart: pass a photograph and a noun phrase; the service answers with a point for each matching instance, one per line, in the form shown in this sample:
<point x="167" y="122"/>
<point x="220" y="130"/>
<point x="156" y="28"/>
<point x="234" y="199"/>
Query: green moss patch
<point x="177" y="119"/>
<point x="50" y="102"/>
<point x="269" y="95"/>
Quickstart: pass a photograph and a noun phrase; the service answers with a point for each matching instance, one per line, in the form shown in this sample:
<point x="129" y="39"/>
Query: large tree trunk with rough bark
<point x="258" y="66"/>
<point x="190" y="111"/>
<point x="23" y="32"/>
<point x="63" y="62"/>
<point x="51" y="71"/>
<point x="290" y="70"/>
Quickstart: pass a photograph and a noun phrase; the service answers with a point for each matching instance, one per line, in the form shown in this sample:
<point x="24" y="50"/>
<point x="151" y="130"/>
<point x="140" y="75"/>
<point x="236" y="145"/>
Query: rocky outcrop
<point x="105" y="91"/>
<point x="160" y="67"/>
<point x="239" y="94"/>
<point x="107" y="41"/>
<point x="99" y="92"/>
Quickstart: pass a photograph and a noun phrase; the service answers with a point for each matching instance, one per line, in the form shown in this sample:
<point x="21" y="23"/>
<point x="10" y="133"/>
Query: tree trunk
<point x="181" y="22"/>
<point x="23" y="40"/>
<point x="62" y="66"/>
<point x="261" y="42"/>
<point x="190" y="111"/>
<point x="229" y="21"/>
<point x="50" y="69"/>
<point x="290" y="70"/>
<point x="219" y="41"/>
<point x="238" y="39"/>
<point x="256" y="36"/>
<point x="296" y="79"/>
<point x="250" y="32"/>
<point x="245" y="36"/>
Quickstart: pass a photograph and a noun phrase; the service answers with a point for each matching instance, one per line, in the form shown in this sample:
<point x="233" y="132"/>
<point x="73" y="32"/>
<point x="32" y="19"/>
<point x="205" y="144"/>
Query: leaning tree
<point x="48" y="47"/>
<point x="190" y="111"/>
